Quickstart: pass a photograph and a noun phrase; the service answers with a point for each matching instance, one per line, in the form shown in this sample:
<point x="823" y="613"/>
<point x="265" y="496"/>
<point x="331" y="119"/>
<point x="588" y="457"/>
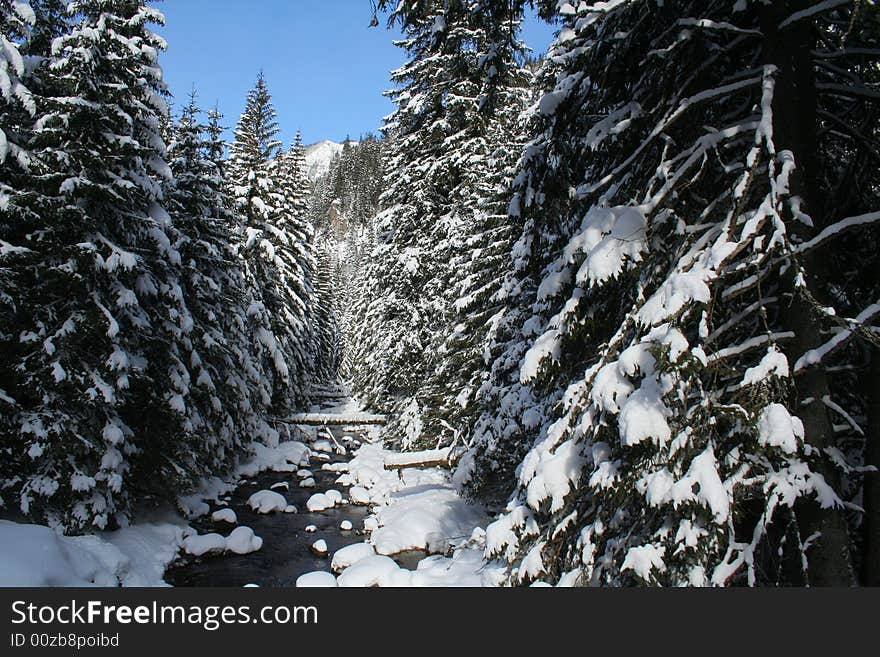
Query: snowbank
<point x="425" y="520"/>
<point x="286" y="457"/>
<point x="36" y="556"/>
<point x="414" y="509"/>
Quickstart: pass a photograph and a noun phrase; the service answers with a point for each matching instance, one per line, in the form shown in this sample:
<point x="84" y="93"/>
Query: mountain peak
<point x="319" y="156"/>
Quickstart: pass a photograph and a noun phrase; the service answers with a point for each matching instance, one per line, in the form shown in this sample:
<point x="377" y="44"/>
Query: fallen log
<point x="336" y="420"/>
<point x="432" y="458"/>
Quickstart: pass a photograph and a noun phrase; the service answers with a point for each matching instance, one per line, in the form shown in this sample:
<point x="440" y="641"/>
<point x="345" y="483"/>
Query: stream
<point x="286" y="552"/>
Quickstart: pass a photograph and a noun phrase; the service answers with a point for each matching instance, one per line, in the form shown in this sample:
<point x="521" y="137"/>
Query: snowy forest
<point x="628" y="289"/>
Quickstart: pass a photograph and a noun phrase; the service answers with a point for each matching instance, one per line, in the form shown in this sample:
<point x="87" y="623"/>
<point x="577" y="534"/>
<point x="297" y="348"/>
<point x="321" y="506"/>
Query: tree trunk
<point x="795" y="125"/>
<point x="872" y="480"/>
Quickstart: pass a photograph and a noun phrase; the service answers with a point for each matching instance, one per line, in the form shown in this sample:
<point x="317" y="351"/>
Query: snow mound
<point x="198" y="545"/>
<point x="225" y="515"/>
<point x="359" y="495"/>
<point x="323" y="501"/>
<point x="267" y="501"/>
<point x="36" y="556"/>
<point x="243" y="541"/>
<point x="371" y="571"/>
<point x="316" y="580"/>
<point x="350" y="555"/>
<point x="323" y="446"/>
<point x="425" y="519"/>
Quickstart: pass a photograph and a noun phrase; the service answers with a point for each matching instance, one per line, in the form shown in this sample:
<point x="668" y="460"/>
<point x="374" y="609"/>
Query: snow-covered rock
<point x="225" y="515"/>
<point x="311" y="529"/>
<point x="267" y="501"/>
<point x="368" y="572"/>
<point x="350" y="555"/>
<point x="320" y="502"/>
<point x="346" y="526"/>
<point x="308" y="483"/>
<point x="198" y="545"/>
<point x="243" y="541"/>
<point x="319" y="547"/>
<point x="324" y="446"/>
<point x="316" y="580"/>
<point x="359" y="495"/>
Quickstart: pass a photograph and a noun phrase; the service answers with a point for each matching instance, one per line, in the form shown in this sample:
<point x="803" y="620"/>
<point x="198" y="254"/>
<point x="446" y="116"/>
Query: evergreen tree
<point x="277" y="250"/>
<point x="663" y="338"/>
<point x="104" y="299"/>
<point x="223" y="401"/>
<point x="17" y="107"/>
<point x="255" y="141"/>
<point x="216" y="147"/>
<point x="439" y="186"/>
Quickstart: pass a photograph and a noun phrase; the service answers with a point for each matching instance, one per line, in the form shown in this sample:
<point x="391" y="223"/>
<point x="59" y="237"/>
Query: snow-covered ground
<point x="37" y="556"/>
<point x="412" y="509"/>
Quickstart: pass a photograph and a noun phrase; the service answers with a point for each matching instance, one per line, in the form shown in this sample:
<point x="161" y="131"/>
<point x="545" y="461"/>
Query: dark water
<point x="286" y="553"/>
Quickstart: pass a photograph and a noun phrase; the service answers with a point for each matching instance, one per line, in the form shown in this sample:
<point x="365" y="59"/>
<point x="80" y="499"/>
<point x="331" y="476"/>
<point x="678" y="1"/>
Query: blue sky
<point x="326" y="68"/>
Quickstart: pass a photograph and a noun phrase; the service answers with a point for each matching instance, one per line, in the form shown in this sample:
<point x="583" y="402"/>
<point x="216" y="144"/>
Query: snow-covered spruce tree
<point x="437" y="165"/>
<point x="223" y="400"/>
<point x="276" y="250"/>
<point x="98" y="423"/>
<point x="328" y="341"/>
<point x="341" y="209"/>
<point x="216" y="147"/>
<point x="295" y="245"/>
<point x="481" y="234"/>
<point x="50" y="21"/>
<point x="17" y="104"/>
<point x="683" y="190"/>
<point x="17" y="107"/>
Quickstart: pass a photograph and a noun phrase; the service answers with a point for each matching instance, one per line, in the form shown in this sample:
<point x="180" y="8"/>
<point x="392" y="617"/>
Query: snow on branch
<point x="835" y="229"/>
<point x="846" y="416"/>
<point x="668" y="120"/>
<point x="753" y="343"/>
<point x="815" y="356"/>
<point x="812" y="11"/>
<point x="705" y="23"/>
